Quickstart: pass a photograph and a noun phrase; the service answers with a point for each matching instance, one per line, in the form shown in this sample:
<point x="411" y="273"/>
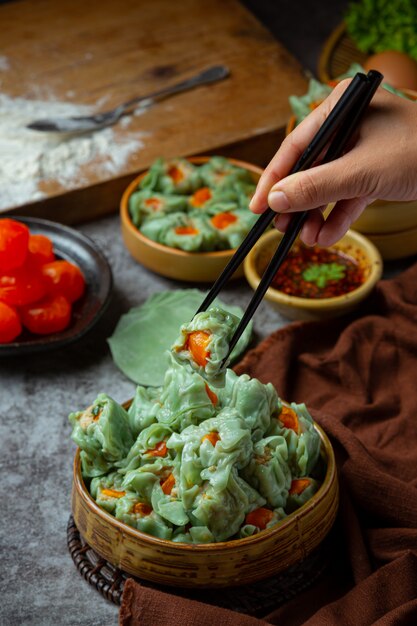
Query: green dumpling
<point x="103" y="433"/>
<point x="295" y="424"/>
<point x="220" y="172"/>
<point x="247" y="530"/>
<point x="233" y="226"/>
<point x="244" y="193"/>
<point x="177" y="176"/>
<point x="144" y="408"/>
<point x="210" y="451"/>
<point x="147" y="204"/>
<point x="156" y="228"/>
<point x="204" y="343"/>
<point x="301" y="490"/>
<point x="268" y="470"/>
<point x="206" y="199"/>
<point x="254" y="401"/>
<point x="195" y="234"/>
<point x="107" y="490"/>
<point x="185" y="398"/>
<point x="195" y="534"/>
<point x="149" y="446"/>
<point x="222" y="511"/>
<point x="131" y="510"/>
<point x="302" y="105"/>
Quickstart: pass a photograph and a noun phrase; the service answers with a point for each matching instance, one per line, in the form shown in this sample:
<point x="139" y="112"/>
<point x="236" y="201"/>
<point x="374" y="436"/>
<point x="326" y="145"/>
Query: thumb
<point x="341" y="179"/>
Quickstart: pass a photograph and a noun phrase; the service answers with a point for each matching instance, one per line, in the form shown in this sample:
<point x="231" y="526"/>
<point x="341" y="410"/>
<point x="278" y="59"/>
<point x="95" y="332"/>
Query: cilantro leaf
<point x="322" y="273"/>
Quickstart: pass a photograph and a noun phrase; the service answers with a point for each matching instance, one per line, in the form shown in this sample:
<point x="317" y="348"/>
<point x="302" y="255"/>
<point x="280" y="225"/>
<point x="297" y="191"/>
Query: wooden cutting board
<point x="84" y="51"/>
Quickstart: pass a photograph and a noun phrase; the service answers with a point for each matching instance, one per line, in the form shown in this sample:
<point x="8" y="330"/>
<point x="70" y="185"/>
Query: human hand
<point x="379" y="163"/>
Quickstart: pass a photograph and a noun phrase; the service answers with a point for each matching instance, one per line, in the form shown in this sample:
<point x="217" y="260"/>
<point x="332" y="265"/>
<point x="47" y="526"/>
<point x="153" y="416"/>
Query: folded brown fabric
<point x="358" y="376"/>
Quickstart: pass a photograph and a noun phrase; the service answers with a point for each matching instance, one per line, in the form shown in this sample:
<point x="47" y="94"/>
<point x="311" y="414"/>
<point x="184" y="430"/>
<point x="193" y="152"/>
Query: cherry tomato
<point x="62" y="277"/>
<point x="10" y="326"/>
<point x="50" y="315"/>
<point x="40" y="250"/>
<point x="21" y="286"/>
<point x="14" y="237"/>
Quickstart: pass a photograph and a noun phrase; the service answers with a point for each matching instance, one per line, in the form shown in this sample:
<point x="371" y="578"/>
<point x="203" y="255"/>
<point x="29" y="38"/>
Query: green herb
<point x="324" y="272"/>
<point x="377" y="25"/>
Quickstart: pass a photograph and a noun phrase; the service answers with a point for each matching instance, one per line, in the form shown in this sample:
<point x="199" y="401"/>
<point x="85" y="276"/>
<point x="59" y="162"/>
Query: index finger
<point x="292" y="148"/>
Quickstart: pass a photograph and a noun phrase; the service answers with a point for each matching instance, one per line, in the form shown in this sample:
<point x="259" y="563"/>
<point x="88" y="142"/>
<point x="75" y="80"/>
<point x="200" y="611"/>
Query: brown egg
<point x="399" y="69"/>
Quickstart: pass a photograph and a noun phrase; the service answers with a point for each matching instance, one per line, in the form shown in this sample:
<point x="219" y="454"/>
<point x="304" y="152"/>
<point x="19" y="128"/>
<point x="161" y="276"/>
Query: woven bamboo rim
<point x="256" y="599"/>
<point x="338" y="54"/>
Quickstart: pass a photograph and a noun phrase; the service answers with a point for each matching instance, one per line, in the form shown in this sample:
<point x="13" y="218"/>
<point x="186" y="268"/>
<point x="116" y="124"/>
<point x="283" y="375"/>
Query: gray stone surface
<point x="41" y="584"/>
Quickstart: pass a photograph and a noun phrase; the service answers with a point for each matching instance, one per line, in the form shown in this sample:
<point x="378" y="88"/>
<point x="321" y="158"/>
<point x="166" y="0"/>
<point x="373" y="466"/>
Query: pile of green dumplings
<point x="190" y="460"/>
<point x="182" y="205"/>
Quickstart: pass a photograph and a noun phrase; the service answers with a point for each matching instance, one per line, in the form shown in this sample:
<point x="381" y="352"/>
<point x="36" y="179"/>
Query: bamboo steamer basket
<point x="228" y="563"/>
<point x="171" y="262"/>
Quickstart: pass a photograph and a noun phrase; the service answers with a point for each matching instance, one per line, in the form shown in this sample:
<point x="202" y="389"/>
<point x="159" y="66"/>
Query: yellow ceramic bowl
<point x="171" y="262"/>
<point x="229" y="563"/>
<point x="354" y="244"/>
<point x="397" y="245"/>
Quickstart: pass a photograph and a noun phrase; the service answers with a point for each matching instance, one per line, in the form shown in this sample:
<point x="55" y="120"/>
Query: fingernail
<point x="278" y="201"/>
<point x="251" y="203"/>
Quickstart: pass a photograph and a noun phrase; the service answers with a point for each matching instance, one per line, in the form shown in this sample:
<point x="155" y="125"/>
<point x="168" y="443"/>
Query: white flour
<point x="28" y="157"/>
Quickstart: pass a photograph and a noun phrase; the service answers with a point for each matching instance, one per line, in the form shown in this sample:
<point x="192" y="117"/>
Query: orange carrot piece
<point x="159" y="450"/>
<point x="288" y="418"/>
<point x="153" y="203"/>
<point x="214" y="399"/>
<point x="168" y="485"/>
<point x="97" y="416"/>
<point x="141" y="508"/>
<point x="259" y="517"/>
<point x="186" y="230"/>
<point x="197" y="343"/>
<point x="223" y="220"/>
<point x="175" y="173"/>
<point x="298" y="485"/>
<point x="212" y="437"/>
<point x="200" y="197"/>
<point x="113" y="493"/>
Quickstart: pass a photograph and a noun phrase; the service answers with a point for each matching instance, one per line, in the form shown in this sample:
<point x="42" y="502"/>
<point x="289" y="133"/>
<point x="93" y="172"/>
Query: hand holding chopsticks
<point x="337" y="129"/>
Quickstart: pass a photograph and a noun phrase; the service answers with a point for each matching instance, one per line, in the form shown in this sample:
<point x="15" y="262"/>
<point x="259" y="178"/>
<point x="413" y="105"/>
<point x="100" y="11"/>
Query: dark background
<point x="301" y="25"/>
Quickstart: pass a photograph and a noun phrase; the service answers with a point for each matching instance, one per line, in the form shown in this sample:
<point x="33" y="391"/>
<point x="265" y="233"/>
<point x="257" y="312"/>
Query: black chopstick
<point x="335" y="149"/>
<point x="344" y="106"/>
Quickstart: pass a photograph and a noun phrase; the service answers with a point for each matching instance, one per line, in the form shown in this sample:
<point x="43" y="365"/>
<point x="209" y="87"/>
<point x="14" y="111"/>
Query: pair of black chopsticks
<point x="337" y="128"/>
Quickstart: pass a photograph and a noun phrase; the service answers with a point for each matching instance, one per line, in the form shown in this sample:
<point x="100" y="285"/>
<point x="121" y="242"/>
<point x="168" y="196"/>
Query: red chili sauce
<point x="318" y="273"/>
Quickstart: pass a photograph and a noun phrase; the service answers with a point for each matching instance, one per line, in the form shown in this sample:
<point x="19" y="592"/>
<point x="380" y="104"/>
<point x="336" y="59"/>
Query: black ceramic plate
<point x="72" y="246"/>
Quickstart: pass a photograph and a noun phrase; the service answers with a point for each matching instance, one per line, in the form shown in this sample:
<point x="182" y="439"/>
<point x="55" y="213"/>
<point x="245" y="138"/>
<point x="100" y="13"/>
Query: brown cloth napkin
<point x="358" y="376"/>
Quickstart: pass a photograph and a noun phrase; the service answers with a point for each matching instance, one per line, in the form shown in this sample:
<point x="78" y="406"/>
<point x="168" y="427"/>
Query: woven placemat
<point x="257" y="599"/>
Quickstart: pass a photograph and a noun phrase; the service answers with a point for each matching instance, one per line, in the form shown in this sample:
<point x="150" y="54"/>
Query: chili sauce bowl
<point x="215" y="565"/>
<point x="172" y="262"/>
<point x="352" y="244"/>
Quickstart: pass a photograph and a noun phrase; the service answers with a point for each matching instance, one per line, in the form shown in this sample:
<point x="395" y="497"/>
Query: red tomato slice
<point x="40" y="250"/>
<point x="50" y="315"/>
<point x="14" y="237"/>
<point x="62" y="277"/>
<point x="21" y="286"/>
<point x="10" y="326"/>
